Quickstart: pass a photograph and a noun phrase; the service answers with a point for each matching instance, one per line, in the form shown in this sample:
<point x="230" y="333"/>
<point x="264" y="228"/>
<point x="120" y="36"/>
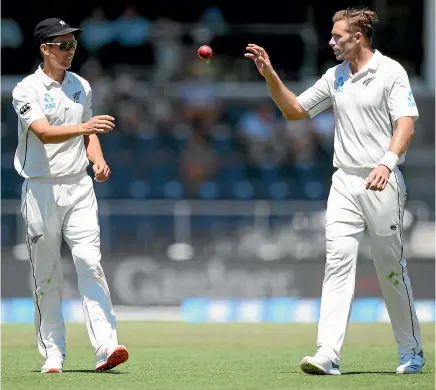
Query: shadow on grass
<point x="107" y="372"/>
<point x="369" y="373"/>
<point x="343" y="373"/>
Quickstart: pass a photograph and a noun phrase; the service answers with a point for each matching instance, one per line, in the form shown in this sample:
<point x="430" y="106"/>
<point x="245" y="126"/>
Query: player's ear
<point x="358" y="36"/>
<point x="43" y="48"/>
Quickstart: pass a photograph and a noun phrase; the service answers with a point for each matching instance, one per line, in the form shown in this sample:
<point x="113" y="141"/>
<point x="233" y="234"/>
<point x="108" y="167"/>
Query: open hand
<point x="260" y="58"/>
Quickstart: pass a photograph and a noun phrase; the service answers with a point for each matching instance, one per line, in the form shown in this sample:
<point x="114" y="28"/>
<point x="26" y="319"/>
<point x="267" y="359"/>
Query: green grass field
<point x="178" y="356"/>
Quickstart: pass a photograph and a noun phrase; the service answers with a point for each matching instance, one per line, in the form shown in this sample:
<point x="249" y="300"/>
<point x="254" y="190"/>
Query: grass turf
<point x="183" y="356"/>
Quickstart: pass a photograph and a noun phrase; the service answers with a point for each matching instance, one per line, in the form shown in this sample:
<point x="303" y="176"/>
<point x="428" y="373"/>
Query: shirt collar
<point x="374" y="61"/>
<point x="371" y="65"/>
<point x="48" y="80"/>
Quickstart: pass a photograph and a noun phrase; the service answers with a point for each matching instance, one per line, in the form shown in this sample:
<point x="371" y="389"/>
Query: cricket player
<point x="57" y="135"/>
<point x="374" y="113"/>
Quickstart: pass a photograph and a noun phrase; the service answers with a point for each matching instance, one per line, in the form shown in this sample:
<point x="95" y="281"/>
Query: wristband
<point x="390" y="160"/>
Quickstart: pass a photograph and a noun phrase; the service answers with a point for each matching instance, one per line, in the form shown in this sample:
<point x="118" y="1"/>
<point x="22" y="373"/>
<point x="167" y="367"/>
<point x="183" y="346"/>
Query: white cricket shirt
<point x="63" y="104"/>
<point x="366" y="107"/>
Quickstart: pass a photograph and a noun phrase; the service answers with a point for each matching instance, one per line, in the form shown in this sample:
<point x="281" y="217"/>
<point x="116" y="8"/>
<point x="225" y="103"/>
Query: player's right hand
<point x="99" y="124"/>
<point x="260" y="58"/>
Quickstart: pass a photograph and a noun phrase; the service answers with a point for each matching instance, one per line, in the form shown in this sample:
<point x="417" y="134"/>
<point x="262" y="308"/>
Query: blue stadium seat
<point x="147" y="142"/>
<point x="269" y="172"/>
<point x="158" y="175"/>
<point x="172" y="189"/>
<point x="308" y="172"/>
<point x="243" y="190"/>
<point x="232" y="171"/>
<point x="103" y="190"/>
<point x="209" y="190"/>
<point x="120" y="181"/>
<point x="314" y="190"/>
<point x="180" y="136"/>
<point x="309" y="180"/>
<point x="139" y="189"/>
<point x="279" y="190"/>
<point x="221" y="138"/>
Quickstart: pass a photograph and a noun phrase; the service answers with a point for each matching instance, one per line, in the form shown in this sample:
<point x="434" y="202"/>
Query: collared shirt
<point x="63" y="104"/>
<point x="366" y="107"/>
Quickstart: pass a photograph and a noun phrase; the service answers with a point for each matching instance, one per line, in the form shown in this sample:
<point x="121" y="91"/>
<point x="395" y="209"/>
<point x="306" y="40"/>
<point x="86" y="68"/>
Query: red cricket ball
<point x="205" y="52"/>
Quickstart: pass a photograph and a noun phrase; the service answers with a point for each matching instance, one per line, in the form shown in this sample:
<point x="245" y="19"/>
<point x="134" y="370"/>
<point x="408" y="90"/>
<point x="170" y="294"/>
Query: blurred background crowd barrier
<point x="213" y="194"/>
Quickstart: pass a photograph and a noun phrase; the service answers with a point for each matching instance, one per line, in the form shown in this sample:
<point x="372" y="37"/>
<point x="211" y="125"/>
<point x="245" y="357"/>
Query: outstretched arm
<point x="310" y="103"/>
<point x="285" y="99"/>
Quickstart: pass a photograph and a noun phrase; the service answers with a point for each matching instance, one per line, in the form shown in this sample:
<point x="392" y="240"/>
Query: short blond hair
<point x="358" y="20"/>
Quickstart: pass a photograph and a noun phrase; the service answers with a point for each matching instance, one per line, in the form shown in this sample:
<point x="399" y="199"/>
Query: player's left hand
<point x="378" y="178"/>
<point x="101" y="171"/>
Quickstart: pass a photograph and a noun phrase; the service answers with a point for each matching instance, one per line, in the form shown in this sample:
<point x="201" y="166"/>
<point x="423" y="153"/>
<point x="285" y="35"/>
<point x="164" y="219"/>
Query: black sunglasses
<point x="64" y="45"/>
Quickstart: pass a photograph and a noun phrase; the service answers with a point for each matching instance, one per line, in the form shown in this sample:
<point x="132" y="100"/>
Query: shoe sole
<point x="52" y="371"/>
<point x="117" y="357"/>
<point x="314" y="369"/>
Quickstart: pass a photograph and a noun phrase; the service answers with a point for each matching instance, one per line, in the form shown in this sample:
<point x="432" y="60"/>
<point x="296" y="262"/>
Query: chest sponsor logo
<point x="339" y="85"/>
<point x="49" y="102"/>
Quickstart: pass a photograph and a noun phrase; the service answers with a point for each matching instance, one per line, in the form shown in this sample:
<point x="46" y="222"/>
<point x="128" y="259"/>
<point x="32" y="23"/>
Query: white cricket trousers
<point x="352" y="209"/>
<point x="52" y="209"/>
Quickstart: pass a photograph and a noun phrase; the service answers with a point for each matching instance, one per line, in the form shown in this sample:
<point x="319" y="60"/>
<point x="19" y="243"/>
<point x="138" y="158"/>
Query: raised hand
<point x="260" y="58"/>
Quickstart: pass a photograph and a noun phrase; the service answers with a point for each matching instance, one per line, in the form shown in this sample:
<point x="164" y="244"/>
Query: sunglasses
<point x="64" y="45"/>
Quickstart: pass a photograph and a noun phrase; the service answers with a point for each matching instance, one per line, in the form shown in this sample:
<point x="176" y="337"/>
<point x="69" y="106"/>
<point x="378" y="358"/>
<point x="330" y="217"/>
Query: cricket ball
<point x="205" y="52"/>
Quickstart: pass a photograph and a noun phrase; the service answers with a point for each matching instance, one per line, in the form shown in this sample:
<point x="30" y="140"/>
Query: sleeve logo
<point x="411" y="99"/>
<point x="25" y="108"/>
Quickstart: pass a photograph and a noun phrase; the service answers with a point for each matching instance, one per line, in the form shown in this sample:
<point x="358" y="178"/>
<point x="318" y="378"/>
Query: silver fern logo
<point x="76" y="96"/>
